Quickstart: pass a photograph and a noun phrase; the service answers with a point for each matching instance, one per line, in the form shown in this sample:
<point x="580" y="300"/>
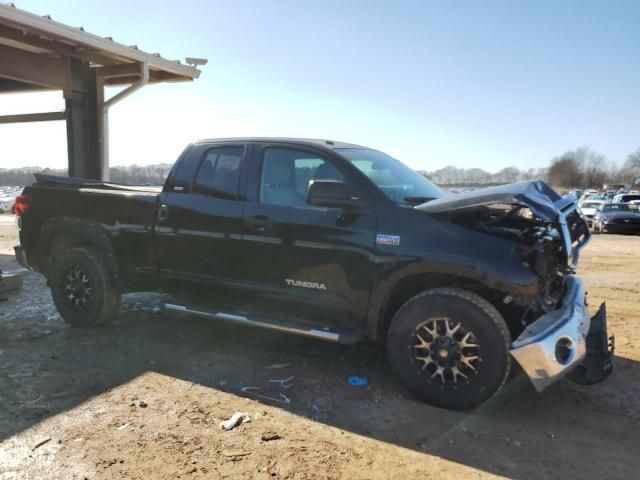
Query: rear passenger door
<point x="198" y="224"/>
<point x="300" y="262"/>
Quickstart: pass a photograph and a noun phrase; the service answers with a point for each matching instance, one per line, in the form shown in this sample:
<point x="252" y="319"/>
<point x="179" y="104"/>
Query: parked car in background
<point x="575" y="193"/>
<point x="8" y="198"/>
<point x="617" y="218"/>
<point x="589" y="208"/>
<point x="591" y="197"/>
<point x="625" y="197"/>
<point x="6" y="204"/>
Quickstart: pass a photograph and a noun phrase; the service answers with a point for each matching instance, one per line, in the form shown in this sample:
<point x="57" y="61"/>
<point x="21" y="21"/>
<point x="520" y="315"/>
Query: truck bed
<point x="124" y="213"/>
<point x="42" y="179"/>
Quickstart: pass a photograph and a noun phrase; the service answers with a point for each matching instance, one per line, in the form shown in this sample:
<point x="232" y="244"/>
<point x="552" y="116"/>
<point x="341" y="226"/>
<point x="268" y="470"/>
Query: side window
<point x="219" y="173"/>
<point x="287" y="174"/>
<point x="183" y="173"/>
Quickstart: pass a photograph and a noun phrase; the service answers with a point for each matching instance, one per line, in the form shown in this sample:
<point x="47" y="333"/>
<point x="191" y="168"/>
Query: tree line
<point x="129" y="175"/>
<point x="582" y="167"/>
<point x="450" y="176"/>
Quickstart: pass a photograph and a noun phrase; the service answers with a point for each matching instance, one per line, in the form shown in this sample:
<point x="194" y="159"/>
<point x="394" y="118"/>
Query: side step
<point x="280" y="326"/>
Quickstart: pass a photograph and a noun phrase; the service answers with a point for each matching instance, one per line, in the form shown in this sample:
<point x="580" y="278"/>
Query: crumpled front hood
<point x="540" y="198"/>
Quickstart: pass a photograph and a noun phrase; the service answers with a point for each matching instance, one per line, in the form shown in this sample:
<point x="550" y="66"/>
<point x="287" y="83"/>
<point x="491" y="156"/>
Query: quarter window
<point x="219" y="173"/>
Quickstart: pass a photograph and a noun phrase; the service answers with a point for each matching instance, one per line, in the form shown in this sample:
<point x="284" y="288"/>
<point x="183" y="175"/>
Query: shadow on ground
<point x="47" y="368"/>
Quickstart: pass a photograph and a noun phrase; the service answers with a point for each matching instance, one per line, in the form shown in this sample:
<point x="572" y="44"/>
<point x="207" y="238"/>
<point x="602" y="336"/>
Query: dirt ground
<point x="143" y="398"/>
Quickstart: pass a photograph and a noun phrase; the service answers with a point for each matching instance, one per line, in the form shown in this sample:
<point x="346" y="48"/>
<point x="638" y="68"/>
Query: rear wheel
<point x="450" y="348"/>
<point x="81" y="288"/>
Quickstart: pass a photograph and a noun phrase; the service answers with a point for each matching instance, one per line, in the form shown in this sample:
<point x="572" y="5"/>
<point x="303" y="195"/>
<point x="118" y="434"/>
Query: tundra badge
<point x="303" y="284"/>
<point x="393" y="240"/>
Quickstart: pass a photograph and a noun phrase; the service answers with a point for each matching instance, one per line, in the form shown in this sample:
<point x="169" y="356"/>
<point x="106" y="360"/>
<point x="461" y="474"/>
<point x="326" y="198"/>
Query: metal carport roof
<point x="39" y="53"/>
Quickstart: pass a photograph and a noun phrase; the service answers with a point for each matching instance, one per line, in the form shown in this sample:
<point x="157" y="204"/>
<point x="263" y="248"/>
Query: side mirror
<point x="333" y="194"/>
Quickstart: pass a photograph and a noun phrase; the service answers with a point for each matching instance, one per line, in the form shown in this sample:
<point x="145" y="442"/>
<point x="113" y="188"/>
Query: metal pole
<point x="144" y="79"/>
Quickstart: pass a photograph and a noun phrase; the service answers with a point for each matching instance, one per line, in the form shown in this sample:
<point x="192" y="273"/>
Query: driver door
<point x="305" y="263"/>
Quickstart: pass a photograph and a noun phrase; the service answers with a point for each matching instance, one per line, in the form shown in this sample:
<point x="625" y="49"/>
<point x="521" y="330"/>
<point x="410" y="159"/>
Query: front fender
<point x="434" y="247"/>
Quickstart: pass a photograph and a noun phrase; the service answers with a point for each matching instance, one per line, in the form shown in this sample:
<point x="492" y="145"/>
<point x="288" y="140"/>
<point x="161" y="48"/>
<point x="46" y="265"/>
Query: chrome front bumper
<point x="555" y="344"/>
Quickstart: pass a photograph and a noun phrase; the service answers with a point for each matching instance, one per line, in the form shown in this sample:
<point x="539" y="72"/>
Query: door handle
<point x="259" y="223"/>
<point x="163" y="213"/>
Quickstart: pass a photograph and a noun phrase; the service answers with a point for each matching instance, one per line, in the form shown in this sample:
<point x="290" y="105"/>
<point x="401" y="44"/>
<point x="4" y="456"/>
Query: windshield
<point x="621" y="207"/>
<point x="397" y="181"/>
<point x="591" y="204"/>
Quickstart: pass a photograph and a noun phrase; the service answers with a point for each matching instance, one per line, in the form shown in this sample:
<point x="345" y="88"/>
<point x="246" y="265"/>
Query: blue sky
<point x="467" y="83"/>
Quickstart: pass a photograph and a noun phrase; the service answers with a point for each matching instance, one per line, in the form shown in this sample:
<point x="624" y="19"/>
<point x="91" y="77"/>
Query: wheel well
<point x="64" y="241"/>
<point x="412" y="285"/>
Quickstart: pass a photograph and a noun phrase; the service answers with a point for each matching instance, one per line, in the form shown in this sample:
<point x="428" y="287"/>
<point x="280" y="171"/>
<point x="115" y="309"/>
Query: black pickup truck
<point x="338" y="242"/>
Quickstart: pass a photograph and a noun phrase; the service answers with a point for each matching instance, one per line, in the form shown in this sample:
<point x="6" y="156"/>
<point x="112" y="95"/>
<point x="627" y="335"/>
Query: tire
<point x="81" y="288"/>
<point x="465" y="313"/>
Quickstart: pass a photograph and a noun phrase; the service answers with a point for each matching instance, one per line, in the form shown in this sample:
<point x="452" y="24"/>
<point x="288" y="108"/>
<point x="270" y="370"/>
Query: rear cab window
<point x="219" y="173"/>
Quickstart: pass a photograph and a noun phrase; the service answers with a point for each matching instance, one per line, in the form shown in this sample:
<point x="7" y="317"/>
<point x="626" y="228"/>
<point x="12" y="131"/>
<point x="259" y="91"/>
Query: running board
<point x="282" y="327"/>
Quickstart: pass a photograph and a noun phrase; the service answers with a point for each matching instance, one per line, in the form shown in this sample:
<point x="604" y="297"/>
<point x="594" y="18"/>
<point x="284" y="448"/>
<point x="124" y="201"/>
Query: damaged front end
<point x="555" y="335"/>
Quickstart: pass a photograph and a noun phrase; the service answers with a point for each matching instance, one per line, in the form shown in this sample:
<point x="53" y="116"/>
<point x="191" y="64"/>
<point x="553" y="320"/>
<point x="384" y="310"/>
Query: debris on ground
<point x="356" y="381"/>
<point x="236" y="419"/>
<point x="251" y="390"/>
<point x="278" y="365"/>
<point x="234" y="453"/>
<point x="269" y="436"/>
<point x="40" y="442"/>
<point x="284" y="383"/>
<point x="142" y="404"/>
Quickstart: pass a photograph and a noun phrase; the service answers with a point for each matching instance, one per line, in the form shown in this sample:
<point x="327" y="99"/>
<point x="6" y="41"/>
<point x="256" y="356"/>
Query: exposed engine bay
<point x="546" y="229"/>
<point x="538" y="243"/>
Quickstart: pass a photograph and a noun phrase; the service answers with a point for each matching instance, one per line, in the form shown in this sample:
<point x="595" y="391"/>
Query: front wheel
<point x="81" y="288"/>
<point x="450" y="348"/>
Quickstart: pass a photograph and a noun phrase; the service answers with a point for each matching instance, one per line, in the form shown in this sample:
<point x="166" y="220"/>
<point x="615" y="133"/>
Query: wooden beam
<point x="32" y="117"/>
<point x="36" y="69"/>
<point x="55" y="47"/>
<point x="121" y="70"/>
<point x="11" y="86"/>
<point x="155" y="76"/>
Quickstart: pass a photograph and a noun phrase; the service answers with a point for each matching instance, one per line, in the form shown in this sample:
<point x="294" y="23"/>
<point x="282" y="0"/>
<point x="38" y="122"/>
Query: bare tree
<point x="582" y="167"/>
<point x="630" y="172"/>
<point x="564" y="172"/>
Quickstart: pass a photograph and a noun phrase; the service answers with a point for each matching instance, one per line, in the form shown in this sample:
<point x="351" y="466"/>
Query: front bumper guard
<point x="557" y="343"/>
<point x="572" y="246"/>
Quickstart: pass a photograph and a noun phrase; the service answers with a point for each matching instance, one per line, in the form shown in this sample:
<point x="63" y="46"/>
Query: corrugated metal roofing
<point x="42" y="34"/>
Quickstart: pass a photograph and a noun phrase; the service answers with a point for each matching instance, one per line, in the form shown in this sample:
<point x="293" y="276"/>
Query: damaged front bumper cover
<point x="557" y="343"/>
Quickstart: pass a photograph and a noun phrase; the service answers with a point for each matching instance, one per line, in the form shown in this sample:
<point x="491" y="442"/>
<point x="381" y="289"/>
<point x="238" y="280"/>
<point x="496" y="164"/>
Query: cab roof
<point x="312" y="142"/>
